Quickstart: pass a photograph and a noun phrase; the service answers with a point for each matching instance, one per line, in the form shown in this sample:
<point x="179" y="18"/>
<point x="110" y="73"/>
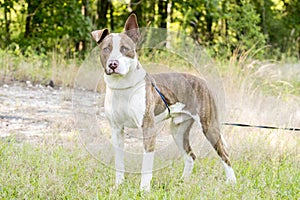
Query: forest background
<point x="270" y="28"/>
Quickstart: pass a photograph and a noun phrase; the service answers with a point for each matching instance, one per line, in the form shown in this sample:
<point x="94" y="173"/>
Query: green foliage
<point x="224" y="26"/>
<point x="221" y="26"/>
<point x="57" y="25"/>
<point x="281" y="25"/>
<point x="244" y="31"/>
<point x="50" y="25"/>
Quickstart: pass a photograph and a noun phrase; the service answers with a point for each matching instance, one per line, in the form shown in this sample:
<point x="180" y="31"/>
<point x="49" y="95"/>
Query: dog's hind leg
<point x="214" y="136"/>
<point x="180" y="133"/>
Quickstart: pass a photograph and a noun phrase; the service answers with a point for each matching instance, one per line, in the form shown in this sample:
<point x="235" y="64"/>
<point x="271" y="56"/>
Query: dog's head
<point x="118" y="50"/>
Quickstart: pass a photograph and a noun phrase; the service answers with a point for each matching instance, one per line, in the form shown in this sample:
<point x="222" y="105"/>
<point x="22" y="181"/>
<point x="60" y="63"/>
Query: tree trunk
<point x="31" y="8"/>
<point x="163" y="13"/>
<point x="162" y="23"/>
<point x="111" y="16"/>
<point x="28" y="20"/>
<point x="102" y="9"/>
<point x="7" y="22"/>
<point x="209" y="23"/>
<point x="85" y="10"/>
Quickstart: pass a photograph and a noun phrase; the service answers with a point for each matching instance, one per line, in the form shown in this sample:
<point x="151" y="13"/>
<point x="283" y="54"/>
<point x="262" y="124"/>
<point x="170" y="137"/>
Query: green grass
<point x="47" y="171"/>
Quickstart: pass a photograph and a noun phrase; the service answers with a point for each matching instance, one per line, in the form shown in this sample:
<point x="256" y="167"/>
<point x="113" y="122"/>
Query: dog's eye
<point x="124" y="49"/>
<point x="106" y="49"/>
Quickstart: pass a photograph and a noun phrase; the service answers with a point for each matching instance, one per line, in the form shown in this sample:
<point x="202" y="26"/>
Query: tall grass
<point x="39" y="69"/>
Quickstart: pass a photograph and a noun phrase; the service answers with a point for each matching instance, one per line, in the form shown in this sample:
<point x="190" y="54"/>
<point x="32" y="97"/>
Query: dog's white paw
<point x="231" y="180"/>
<point x="119" y="178"/>
<point x="230" y="176"/>
<point x="146" y="182"/>
<point x="145" y="188"/>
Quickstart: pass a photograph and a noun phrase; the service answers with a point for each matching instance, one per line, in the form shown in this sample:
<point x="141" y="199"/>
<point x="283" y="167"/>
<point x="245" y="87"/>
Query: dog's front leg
<point x="148" y="158"/>
<point x="118" y="144"/>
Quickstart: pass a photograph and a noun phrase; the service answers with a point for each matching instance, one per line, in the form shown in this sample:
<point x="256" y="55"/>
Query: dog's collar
<point x="125" y="88"/>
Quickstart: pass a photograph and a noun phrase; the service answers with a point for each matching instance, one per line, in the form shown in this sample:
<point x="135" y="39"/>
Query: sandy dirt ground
<point x="28" y="112"/>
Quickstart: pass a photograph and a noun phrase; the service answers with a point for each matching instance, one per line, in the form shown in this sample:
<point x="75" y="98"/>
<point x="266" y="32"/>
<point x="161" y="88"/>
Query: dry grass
<point x="37" y="69"/>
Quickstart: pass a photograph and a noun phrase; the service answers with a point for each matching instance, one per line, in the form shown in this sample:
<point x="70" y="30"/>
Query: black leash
<point x="161" y="96"/>
<point x="258" y="126"/>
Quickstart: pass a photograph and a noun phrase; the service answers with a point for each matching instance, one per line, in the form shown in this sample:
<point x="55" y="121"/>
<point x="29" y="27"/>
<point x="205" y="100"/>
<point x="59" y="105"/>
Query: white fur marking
<point x="125" y="62"/>
<point x="188" y="167"/>
<point x="223" y="140"/>
<point x="179" y="138"/>
<point x="126" y="107"/>
<point x="147" y="167"/>
<point x="118" y="145"/>
<point x="230" y="177"/>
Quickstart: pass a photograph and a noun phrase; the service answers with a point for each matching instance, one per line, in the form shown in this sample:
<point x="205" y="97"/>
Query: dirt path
<point x="28" y="111"/>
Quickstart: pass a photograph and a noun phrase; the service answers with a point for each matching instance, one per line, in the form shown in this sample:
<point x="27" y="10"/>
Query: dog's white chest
<point x="126" y="107"/>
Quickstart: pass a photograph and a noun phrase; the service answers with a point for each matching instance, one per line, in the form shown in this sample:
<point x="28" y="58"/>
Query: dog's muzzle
<point x="112" y="66"/>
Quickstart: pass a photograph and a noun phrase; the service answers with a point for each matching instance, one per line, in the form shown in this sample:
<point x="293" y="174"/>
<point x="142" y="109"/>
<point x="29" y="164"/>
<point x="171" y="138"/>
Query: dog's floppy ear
<point x="99" y="35"/>
<point x="132" y="28"/>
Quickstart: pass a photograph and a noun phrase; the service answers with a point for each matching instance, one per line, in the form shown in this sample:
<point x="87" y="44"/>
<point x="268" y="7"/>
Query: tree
<point x="102" y="10"/>
<point x="32" y="6"/>
<point x="8" y="7"/>
<point x="56" y="25"/>
<point x="291" y="19"/>
<point x="244" y="31"/>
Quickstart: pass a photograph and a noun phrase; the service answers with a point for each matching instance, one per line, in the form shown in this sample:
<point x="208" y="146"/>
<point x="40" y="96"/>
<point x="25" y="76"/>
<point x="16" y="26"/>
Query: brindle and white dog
<point x="136" y="99"/>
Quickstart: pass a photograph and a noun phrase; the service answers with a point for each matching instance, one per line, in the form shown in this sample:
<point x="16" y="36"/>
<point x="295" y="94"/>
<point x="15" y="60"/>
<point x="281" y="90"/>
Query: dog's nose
<point x="113" y="64"/>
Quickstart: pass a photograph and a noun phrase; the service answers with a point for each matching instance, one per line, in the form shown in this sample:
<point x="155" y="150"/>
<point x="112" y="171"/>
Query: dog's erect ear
<point x="132" y="28"/>
<point x="99" y="35"/>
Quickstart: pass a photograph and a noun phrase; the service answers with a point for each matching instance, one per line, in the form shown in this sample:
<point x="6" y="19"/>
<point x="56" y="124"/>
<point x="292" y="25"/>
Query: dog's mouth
<point x="111" y="72"/>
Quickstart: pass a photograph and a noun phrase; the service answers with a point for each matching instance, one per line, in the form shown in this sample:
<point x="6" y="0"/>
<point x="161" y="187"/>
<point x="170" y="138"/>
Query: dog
<point x="135" y="99"/>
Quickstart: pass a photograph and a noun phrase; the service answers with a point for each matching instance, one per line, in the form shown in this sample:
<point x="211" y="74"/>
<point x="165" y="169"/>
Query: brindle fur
<point x="192" y="92"/>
